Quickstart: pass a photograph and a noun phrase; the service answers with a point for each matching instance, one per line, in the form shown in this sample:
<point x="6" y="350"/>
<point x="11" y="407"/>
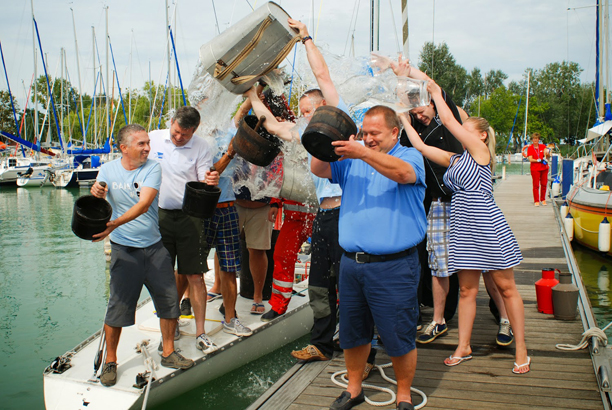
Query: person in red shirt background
<point x="538" y="156"/>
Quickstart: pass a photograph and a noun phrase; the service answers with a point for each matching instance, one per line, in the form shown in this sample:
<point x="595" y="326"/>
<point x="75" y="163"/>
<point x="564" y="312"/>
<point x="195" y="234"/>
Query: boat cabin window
<point x="12" y="162"/>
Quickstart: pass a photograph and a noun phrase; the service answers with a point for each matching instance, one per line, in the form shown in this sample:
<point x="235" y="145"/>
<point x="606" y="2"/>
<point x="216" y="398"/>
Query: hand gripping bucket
<point x="253" y="143"/>
<point x="90" y="216"/>
<point x="327" y="124"/>
<point x="200" y="199"/>
<point x="250" y="48"/>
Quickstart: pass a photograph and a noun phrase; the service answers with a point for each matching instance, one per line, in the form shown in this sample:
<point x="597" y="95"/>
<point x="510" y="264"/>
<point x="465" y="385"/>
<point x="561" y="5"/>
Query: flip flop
<point x="518" y="366"/>
<point x="459" y="360"/>
<point x="213" y="296"/>
<point x="255" y="307"/>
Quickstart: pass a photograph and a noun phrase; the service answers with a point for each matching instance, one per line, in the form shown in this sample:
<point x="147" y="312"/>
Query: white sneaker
<point x="205" y="343"/>
<point x="236" y="328"/>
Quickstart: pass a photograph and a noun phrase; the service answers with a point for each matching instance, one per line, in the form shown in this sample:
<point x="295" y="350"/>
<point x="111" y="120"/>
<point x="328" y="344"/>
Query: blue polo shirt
<point x="380" y="216"/>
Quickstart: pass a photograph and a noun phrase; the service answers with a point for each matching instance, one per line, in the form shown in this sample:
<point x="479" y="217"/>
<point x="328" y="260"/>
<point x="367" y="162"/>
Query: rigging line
<point x="232" y="16"/>
<point x="348" y="35"/>
<point x="250" y="5"/>
<point x="399" y="50"/>
<point x="318" y="21"/>
<point x="178" y="70"/>
<point x="10" y="94"/>
<point x="117" y="78"/>
<point x="216" y="19"/>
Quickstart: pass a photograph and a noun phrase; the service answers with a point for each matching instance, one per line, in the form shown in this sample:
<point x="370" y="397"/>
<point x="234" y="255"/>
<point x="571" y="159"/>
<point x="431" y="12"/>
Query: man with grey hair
<point x="131" y="185"/>
<point x="184" y="157"/>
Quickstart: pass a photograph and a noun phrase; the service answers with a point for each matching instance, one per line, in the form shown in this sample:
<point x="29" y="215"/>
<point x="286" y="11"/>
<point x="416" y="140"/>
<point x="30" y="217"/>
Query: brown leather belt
<point x="225" y="204"/>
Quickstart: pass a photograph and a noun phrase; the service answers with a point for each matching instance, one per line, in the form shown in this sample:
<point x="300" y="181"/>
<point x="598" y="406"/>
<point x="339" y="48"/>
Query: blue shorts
<point x="223" y="233"/>
<point x="382" y="294"/>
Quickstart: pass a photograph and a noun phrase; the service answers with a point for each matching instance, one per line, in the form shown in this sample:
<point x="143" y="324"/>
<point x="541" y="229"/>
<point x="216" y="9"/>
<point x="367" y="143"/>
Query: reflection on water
<point x="595" y="269"/>
<point x="53" y="295"/>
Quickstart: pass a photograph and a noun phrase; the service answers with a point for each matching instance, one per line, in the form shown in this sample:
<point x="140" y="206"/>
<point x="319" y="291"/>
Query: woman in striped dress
<point x="480" y="238"/>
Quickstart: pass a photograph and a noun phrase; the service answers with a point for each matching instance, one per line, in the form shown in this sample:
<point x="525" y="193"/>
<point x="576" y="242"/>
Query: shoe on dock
<point x="505" y="337"/>
<point x="236" y="328"/>
<point x="309" y="354"/>
<point x="109" y="374"/>
<point x="186" y="307"/>
<point x="431" y="332"/>
<point x="346" y="402"/>
<point x="205" y="343"/>
<point x="176" y="361"/>
<point x="270" y="315"/>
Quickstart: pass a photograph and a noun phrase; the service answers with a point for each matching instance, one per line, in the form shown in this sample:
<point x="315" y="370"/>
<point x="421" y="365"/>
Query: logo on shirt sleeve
<point x="159" y="155"/>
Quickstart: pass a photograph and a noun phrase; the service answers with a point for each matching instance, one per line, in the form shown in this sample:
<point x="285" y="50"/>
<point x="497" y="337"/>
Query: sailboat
<point x="590" y="198"/>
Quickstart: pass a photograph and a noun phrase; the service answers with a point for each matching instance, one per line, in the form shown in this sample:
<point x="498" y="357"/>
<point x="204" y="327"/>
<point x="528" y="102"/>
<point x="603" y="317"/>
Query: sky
<point x="511" y="36"/>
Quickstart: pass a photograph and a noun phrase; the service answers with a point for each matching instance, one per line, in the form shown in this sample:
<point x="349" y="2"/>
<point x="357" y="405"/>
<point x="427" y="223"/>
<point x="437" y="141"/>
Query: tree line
<point x="561" y="108"/>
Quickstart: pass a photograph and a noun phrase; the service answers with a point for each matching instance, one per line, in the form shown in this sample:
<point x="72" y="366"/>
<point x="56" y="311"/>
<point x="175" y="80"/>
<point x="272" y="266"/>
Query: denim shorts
<point x="382" y="294"/>
<point x="130" y="268"/>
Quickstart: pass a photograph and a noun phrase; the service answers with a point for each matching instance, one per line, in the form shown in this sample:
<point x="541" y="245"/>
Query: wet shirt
<point x="179" y="165"/>
<point x="124" y="192"/>
<point x="375" y="210"/>
<point x="436" y="135"/>
<point x="223" y="139"/>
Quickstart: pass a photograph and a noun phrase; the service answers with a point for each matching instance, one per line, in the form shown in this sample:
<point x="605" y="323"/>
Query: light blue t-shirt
<point x="380" y="216"/>
<point x="124" y="192"/>
<point x="223" y="138"/>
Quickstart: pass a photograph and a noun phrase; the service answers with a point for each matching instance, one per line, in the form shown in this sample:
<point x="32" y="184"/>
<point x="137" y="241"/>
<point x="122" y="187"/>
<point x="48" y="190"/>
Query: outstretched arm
<point x="280" y="129"/>
<point x="402" y="68"/>
<point x="478" y="150"/>
<point x="320" y="168"/>
<point x="317" y="65"/>
<point x="435" y="154"/>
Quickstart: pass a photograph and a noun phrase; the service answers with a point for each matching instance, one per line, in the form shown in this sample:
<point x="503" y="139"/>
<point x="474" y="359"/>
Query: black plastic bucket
<point x="200" y="199"/>
<point x="258" y="147"/>
<point x="327" y="124"/>
<point x="90" y="216"/>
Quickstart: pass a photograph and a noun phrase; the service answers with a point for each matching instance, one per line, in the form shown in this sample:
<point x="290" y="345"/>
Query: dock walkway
<point x="558" y="379"/>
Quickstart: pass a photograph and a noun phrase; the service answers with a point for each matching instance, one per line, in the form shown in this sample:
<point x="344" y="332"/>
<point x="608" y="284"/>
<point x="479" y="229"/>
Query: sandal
<point x="255" y="309"/>
<point x="459" y="360"/>
<point x="213" y="296"/>
<point x="518" y="366"/>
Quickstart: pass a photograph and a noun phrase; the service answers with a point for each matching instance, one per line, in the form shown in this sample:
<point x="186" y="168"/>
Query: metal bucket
<point x="257" y="50"/>
<point x="200" y="199"/>
<point x="328" y="124"/>
<point x="258" y="147"/>
<point x="297" y="180"/>
<point x="90" y="216"/>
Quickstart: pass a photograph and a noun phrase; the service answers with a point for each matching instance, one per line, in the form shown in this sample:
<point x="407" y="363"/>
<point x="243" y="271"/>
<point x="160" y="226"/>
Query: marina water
<point x="54" y="290"/>
<point x="53" y="295"/>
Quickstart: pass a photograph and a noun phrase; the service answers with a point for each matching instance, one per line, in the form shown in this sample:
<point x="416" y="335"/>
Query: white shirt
<point x="179" y="165"/>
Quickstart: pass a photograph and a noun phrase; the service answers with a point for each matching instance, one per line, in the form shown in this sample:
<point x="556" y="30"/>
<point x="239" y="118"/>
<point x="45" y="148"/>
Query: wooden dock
<point x="558" y="379"/>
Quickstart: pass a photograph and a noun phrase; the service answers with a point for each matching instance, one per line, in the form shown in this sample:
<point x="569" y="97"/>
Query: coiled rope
<point x="383" y="389"/>
<point x="586" y="336"/>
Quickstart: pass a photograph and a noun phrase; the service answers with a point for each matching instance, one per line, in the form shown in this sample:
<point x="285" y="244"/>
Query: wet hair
<point x="187" y="118"/>
<point x="482" y="125"/>
<point x="124" y="134"/>
<point x="389" y="115"/>
<point x="314" y="94"/>
<point x="278" y="106"/>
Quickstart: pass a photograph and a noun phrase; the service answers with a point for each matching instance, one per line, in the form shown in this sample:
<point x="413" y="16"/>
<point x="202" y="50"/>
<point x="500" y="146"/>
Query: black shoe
<point x="270" y="315"/>
<point x="222" y="309"/>
<point x="404" y="405"/>
<point x="186" y="307"/>
<point x="345" y="402"/>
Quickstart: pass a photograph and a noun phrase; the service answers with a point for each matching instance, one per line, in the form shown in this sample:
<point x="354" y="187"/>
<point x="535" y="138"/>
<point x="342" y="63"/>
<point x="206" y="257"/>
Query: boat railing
<point x="600" y="355"/>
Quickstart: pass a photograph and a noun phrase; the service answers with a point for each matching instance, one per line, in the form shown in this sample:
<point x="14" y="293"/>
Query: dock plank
<point x="558" y="379"/>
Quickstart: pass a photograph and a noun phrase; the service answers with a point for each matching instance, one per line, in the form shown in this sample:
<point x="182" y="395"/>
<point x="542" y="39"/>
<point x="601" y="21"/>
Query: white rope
<point x="383" y="389"/>
<point x="586" y="230"/>
<point x="586" y="336"/>
<point x="150" y="366"/>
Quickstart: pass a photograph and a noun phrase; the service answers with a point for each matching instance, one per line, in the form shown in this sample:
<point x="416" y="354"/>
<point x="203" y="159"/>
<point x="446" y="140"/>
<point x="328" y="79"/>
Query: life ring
<point x="524" y="151"/>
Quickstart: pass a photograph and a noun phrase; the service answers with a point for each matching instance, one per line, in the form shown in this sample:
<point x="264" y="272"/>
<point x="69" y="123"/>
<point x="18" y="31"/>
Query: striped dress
<point x="480" y="237"/>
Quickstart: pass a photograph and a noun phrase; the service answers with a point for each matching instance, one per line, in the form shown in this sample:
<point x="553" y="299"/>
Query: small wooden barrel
<point x="258" y="147"/>
<point x="328" y="124"/>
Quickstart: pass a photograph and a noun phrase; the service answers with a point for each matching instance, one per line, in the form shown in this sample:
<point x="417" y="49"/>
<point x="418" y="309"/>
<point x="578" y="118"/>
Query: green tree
<point x="7" y="120"/>
<point x="439" y="64"/>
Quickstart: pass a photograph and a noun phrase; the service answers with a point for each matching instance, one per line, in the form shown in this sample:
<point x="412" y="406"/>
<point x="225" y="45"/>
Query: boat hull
<point x="73" y="389"/>
<point x="588" y="207"/>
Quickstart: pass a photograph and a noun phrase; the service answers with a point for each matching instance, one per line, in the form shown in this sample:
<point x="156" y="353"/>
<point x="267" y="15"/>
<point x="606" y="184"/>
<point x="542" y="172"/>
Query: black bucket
<point x="200" y="199"/>
<point x="90" y="216"/>
<point x="259" y="148"/>
<point x="328" y="124"/>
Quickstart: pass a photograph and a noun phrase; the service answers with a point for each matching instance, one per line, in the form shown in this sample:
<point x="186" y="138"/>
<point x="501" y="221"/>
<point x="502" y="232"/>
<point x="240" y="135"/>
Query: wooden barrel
<point x="259" y="148"/>
<point x="328" y="124"/>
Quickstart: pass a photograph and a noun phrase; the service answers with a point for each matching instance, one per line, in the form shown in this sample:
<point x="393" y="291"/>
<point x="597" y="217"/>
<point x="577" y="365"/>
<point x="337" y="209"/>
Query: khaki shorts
<point x="257" y="229"/>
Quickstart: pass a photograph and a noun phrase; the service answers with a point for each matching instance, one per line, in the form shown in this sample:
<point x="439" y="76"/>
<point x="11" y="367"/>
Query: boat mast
<point x="374" y="24"/>
<point x="76" y="46"/>
<point x="527" y="105"/>
<point x="36" y="130"/>
<point x="170" y="96"/>
<point x="61" y="104"/>
<point x="108" y="114"/>
<point x="600" y="105"/>
<point x="95" y="73"/>
<point x="406" y="47"/>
